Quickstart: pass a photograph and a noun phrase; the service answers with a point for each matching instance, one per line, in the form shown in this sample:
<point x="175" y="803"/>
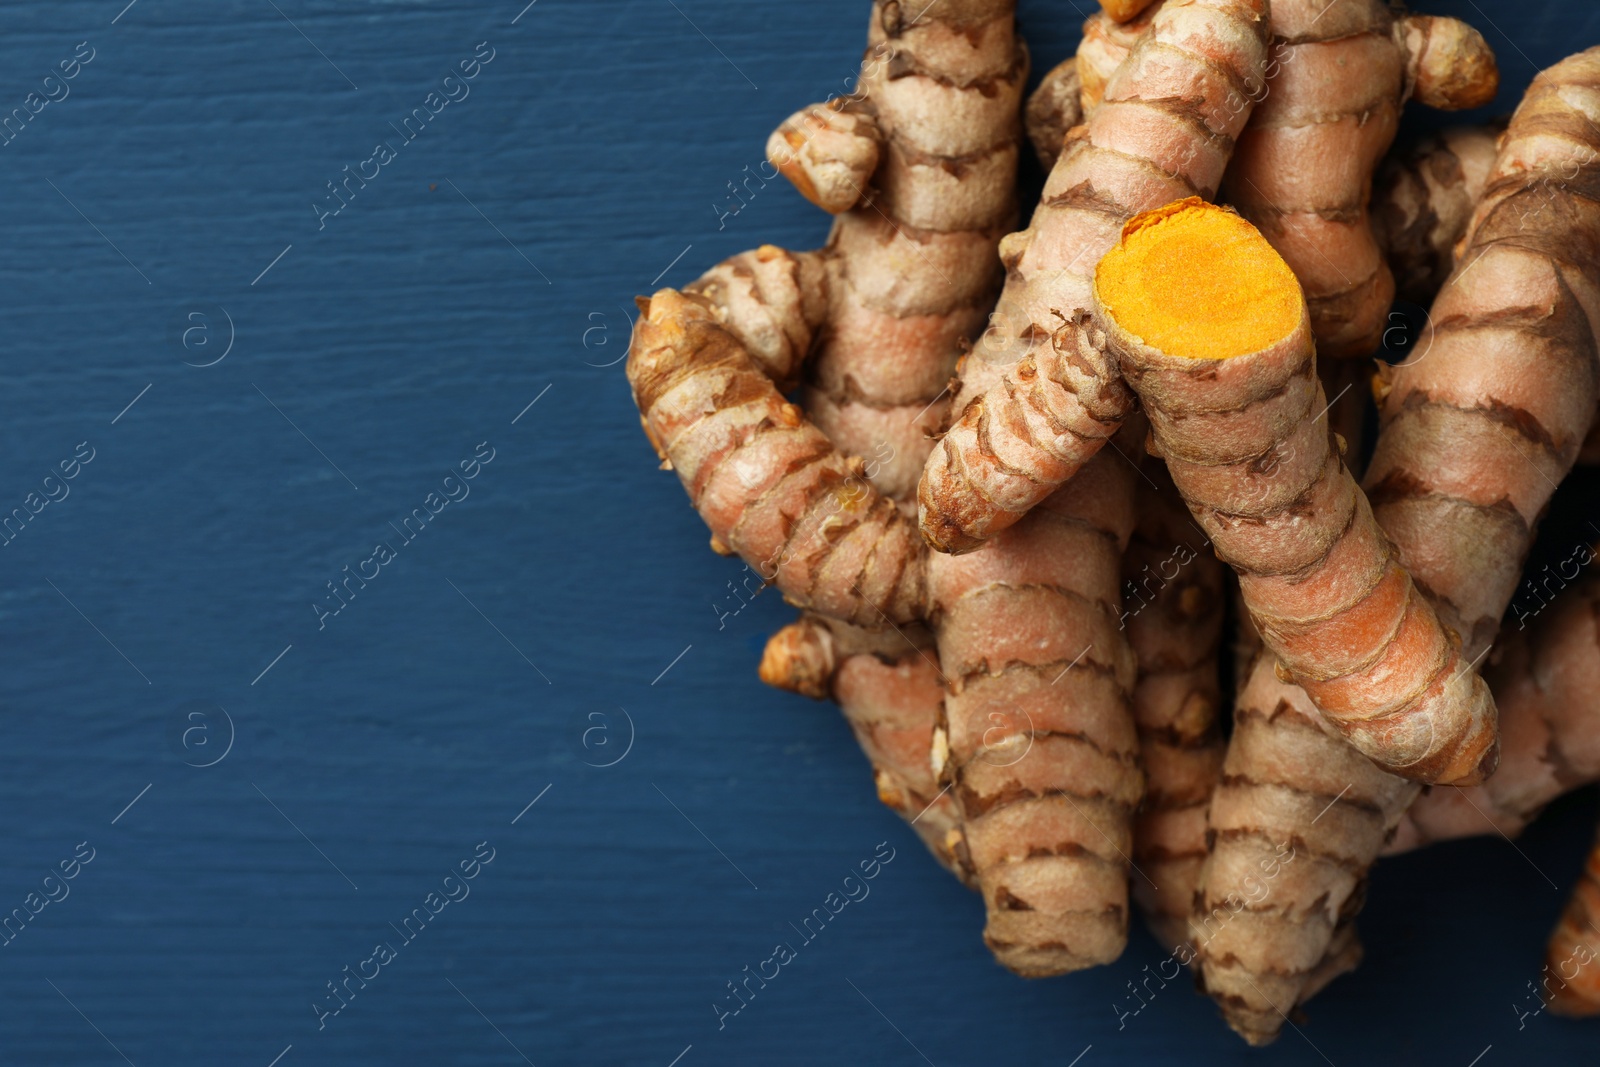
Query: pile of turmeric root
<point x="1103" y="443"/>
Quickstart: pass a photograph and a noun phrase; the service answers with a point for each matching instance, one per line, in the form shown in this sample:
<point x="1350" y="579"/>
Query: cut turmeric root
<point x="1224" y="365"/>
<point x="1535" y="202"/>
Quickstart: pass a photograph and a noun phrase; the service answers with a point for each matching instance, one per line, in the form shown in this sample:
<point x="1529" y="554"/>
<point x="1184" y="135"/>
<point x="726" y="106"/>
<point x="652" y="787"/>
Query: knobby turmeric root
<point x="1052" y="111"/>
<point x="1546" y="682"/>
<point x="1025" y="630"/>
<point x="1339" y="74"/>
<point x="1223" y="362"/>
<point x="1039" y="742"/>
<point x="1039" y="396"/>
<point x="1076" y="85"/>
<point x="920" y="164"/>
<point x="1106" y="43"/>
<point x="1290" y="788"/>
<point x="768" y="483"/>
<point x="1545" y="164"/>
<point x="1485" y="418"/>
<point x="1284" y="776"/>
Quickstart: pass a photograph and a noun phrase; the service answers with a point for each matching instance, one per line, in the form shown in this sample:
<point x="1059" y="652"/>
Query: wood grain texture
<point x="492" y="259"/>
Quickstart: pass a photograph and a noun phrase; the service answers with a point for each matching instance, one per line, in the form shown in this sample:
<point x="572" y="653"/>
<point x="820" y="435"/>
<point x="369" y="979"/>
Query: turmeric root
<point x="1038" y="742"/>
<point x="1545" y="682"/>
<point x="1039" y="396"/>
<point x="1282" y="775"/>
<point x="1297" y="821"/>
<point x="1053" y="109"/>
<point x="1052" y="868"/>
<point x="1545" y="163"/>
<point x="1007" y="621"/>
<point x="919" y="164"/>
<point x="1223" y="362"/>
<point x="1172" y="608"/>
<point x="1477" y="429"/>
<point x="1340" y="72"/>
<point x="1422" y="201"/>
<point x="769" y="484"/>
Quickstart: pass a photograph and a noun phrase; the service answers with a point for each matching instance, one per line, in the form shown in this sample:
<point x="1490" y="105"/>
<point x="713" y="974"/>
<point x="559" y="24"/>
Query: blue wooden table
<point x="366" y="674"/>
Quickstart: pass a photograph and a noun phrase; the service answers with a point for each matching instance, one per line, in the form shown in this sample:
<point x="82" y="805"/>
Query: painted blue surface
<point x="490" y="265"/>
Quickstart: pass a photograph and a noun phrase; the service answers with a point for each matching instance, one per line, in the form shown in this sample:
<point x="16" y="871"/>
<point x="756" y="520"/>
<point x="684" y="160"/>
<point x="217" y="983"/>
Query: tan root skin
<point x="1339" y="74"/>
<point x="1105" y="44"/>
<point x="1039" y="741"/>
<point x="1478" y="427"/>
<point x="888" y="684"/>
<point x="1265" y="928"/>
<point x="1038" y="395"/>
<point x="1545" y="679"/>
<point x="919" y="164"/>
<point x="1237" y="412"/>
<point x="1172" y="608"/>
<point x="1053" y="109"/>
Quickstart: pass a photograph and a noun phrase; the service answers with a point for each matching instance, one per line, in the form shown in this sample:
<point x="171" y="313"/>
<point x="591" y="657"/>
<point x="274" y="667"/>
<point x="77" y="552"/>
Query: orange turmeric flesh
<point x="1197" y="281"/>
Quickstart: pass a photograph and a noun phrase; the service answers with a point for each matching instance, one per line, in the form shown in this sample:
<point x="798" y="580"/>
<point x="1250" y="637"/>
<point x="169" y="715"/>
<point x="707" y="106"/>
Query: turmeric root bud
<point x="1448" y="63"/>
<point x="799" y="658"/>
<point x="1223" y="361"/>
<point x="828" y="153"/>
